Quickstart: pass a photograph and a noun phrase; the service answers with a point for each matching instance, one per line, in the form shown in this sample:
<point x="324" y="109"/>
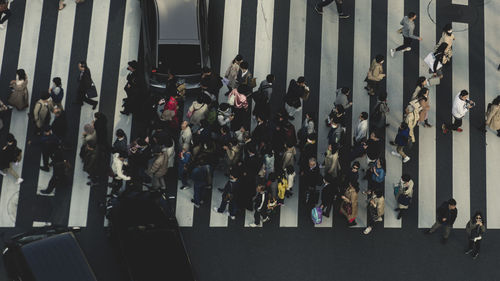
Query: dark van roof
<point x="58" y="257"/>
<point x="178" y="22"/>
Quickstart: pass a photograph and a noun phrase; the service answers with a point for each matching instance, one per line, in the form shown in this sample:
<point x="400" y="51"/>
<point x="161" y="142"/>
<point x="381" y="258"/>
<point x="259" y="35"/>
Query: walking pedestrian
<point x="84" y="85"/>
<point x="199" y="176"/>
<point x="328" y="195"/>
<point x="120" y="175"/>
<point x="5" y="12"/>
<point x="408" y="23"/>
<point x="379" y="112"/>
<point x="50" y="144"/>
<point x="349" y="206"/>
<point x="375" y="75"/>
<point x="58" y="173"/>
<point x="19" y="97"/>
<point x="475" y="230"/>
<point x="57" y="92"/>
<point x="159" y="168"/>
<point x="130" y="103"/>
<point x="403" y="192"/>
<point x="446" y="215"/>
<point x="447" y="37"/>
<point x="297" y="89"/>
<point x="319" y="7"/>
<point x="228" y="195"/>
<point x="10" y="155"/>
<point x="461" y="105"/>
<point x="361" y="131"/>
<point x="376" y="205"/>
<point x="232" y="73"/>
<point x="493" y="116"/>
<point x="401" y="141"/>
<point x="260" y="206"/>
<point x="41" y="112"/>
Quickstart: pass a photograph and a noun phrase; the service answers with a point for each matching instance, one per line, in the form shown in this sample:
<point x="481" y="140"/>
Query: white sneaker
<point x="407" y="49"/>
<point x="2" y="173"/>
<point x="16" y="163"/>
<point x="367" y="230"/>
<point x="216" y="210"/>
<point x="2" y="26"/>
<point x="232" y="217"/>
<point x="392" y="52"/>
<point x="406" y="159"/>
<point x="19" y="180"/>
<point x="395" y="153"/>
<point x="253" y="225"/>
<point x="266" y="219"/>
<point x="379" y="219"/>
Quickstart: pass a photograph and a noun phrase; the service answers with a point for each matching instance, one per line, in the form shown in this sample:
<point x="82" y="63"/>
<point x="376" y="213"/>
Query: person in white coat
<point x="119" y="175"/>
<point x="185" y="136"/>
<point x="361" y="132"/>
<point x="461" y="105"/>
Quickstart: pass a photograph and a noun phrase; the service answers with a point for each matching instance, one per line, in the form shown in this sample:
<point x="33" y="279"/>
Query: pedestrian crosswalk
<point x="82" y="33"/>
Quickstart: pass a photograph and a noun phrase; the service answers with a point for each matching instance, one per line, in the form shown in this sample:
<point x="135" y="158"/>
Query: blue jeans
<point x="198" y="192"/>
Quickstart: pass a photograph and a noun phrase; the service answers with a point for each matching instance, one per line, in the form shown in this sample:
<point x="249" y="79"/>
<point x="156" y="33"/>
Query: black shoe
<point x="45" y="168"/>
<point x="474" y="256"/>
<point x="192" y="201"/>
<point x="291" y="118"/>
<point x="220" y="189"/>
<point x="44" y="191"/>
<point x="399" y="216"/>
<point x="444" y="240"/>
<point x="392" y="143"/>
<point x="469" y="251"/>
<point x="183" y="187"/>
<point x="94" y="106"/>
<point x="343" y="16"/>
<point x="125" y="112"/>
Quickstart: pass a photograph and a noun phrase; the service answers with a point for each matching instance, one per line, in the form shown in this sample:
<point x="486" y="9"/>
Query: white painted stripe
<point x="130" y="51"/>
<point x="461" y="149"/>
<point x="459" y="2"/>
<point x="328" y="85"/>
<point x="230" y="38"/>
<point x="19" y="122"/>
<point x="492" y="80"/>
<point x="427" y="136"/>
<point x="361" y="102"/>
<point x="95" y="56"/>
<point x="217" y="219"/>
<point x="263" y="43"/>
<point x="60" y="66"/>
<point x="395" y="102"/>
<point x="295" y="68"/>
<point x="3" y="33"/>
<point x="41" y="223"/>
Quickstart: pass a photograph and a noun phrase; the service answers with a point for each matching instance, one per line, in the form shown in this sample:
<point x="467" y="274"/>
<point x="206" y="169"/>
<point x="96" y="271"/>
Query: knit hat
<point x="88" y="129"/>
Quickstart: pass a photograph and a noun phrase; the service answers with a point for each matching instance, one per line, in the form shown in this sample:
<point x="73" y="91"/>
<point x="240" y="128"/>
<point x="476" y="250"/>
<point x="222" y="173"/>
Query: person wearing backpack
<point x="260" y="206"/>
<point x="404" y="193"/>
<point x="41" y="112"/>
<point x="379" y="112"/>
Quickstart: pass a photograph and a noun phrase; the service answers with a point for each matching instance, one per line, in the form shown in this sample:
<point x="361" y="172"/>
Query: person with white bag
<point x="435" y="61"/>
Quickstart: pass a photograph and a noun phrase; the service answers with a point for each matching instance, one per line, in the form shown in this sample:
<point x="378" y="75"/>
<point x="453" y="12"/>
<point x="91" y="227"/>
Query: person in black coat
<point x="251" y="167"/>
<point x="311" y="177"/>
<point x="131" y="89"/>
<point x="328" y="194"/>
<point x="101" y="129"/>
<point x="121" y="144"/>
<point x="446" y="215"/>
<point x="9" y="154"/>
<point x="307" y="152"/>
<point x="50" y="144"/>
<point x="84" y="84"/>
<point x="60" y="124"/>
<point x="296" y="91"/>
<point x="214" y="81"/>
<point x="260" y="205"/>
<point x="58" y="173"/>
<point x="94" y="162"/>
<point x="229" y="194"/>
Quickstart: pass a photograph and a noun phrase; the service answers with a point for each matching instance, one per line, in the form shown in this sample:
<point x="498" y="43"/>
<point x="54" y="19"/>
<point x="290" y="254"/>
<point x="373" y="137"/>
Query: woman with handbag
<point x="375" y="75"/>
<point x="403" y="191"/>
<point x="349" y="206"/>
<point x="446" y="37"/>
<point x="376" y="205"/>
<point x="19" y="96"/>
<point x="475" y="229"/>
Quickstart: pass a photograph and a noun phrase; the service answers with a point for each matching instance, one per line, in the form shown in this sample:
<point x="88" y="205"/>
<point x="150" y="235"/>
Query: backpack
<point x="317" y="215"/>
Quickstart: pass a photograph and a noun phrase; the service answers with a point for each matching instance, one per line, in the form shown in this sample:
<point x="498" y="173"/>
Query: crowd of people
<point x="261" y="164"/>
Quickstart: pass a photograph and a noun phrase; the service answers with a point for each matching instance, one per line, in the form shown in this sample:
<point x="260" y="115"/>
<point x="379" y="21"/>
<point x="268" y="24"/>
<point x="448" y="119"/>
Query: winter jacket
<point x="289" y="158"/>
<point x="332" y="165"/>
<point x="376" y="71"/>
<point x="352" y="197"/>
<point x="444" y="212"/>
<point x="198" y="112"/>
<point x="19" y="97"/>
<point x="41" y="113"/>
<point x="231" y="74"/>
<point x="493" y="117"/>
<point x="185" y="138"/>
<point x="160" y="164"/>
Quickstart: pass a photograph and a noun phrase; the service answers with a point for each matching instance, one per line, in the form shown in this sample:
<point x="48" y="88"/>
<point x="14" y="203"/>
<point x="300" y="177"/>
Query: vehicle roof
<point x="58" y="257"/>
<point x="178" y="22"/>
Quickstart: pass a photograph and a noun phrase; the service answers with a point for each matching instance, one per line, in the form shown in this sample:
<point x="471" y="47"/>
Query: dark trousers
<point x="198" y="193"/>
<point x="457" y="123"/>
<point x="321" y="4"/>
<point x="232" y="207"/>
<point x="258" y="214"/>
<point x="474" y="246"/>
<point x="54" y="182"/>
<point x="7" y="13"/>
<point x="83" y="98"/>
<point x="406" y="43"/>
<point x="46" y="158"/>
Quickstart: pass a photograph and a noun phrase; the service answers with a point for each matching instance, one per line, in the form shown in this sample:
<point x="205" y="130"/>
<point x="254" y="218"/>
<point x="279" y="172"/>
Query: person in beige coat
<point x="197" y="112"/>
<point x="232" y="154"/>
<point x="446" y="37"/>
<point x="493" y="115"/>
<point x="376" y="206"/>
<point x="412" y="115"/>
<point x="159" y="169"/>
<point x="425" y="104"/>
<point x="41" y="113"/>
<point x="375" y="75"/>
<point x="289" y="156"/>
<point x="232" y="73"/>
<point x="349" y="206"/>
<point x="185" y="136"/>
<point x="19" y="97"/>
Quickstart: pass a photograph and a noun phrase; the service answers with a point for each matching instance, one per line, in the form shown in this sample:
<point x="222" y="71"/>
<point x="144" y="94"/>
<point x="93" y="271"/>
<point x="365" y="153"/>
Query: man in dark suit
<point x="84" y="85"/>
<point x="244" y="77"/>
